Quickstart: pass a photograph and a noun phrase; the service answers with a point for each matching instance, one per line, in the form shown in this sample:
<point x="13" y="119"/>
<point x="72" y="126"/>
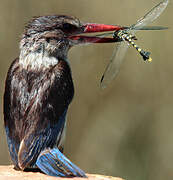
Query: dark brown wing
<point x="9" y="122"/>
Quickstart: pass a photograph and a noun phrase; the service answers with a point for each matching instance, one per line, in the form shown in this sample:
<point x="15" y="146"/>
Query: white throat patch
<point x="36" y="60"/>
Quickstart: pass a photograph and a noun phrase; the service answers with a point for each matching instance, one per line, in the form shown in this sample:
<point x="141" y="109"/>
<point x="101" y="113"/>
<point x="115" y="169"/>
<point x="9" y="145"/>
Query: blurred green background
<point x="125" y="130"/>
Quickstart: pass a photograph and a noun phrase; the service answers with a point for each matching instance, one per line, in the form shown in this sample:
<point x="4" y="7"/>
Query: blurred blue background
<point x="125" y="130"/>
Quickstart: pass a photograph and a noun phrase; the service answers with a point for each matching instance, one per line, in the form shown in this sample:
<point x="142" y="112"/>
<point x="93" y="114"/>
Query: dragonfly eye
<point x="117" y="35"/>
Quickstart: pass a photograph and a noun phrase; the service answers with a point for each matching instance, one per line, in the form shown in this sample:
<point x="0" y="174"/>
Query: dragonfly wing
<point x="153" y="14"/>
<point x="115" y="62"/>
<point x="151" y="28"/>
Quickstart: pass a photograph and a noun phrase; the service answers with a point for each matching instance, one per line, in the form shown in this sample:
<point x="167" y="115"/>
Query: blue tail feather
<point x="54" y="163"/>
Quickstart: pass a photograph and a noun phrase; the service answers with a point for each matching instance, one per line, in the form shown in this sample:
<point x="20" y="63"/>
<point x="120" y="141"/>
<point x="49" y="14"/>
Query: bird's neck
<point x="37" y="60"/>
<point x="41" y="55"/>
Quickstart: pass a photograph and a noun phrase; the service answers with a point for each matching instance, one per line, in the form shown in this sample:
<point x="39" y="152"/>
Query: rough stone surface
<point x="8" y="173"/>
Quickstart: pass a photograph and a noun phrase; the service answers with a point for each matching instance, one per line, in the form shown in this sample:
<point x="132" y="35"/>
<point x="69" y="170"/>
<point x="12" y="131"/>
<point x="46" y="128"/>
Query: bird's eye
<point x="69" y="27"/>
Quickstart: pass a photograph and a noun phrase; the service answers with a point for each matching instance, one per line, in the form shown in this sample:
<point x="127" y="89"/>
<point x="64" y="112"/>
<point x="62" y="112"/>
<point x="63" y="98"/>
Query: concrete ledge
<point x="8" y="173"/>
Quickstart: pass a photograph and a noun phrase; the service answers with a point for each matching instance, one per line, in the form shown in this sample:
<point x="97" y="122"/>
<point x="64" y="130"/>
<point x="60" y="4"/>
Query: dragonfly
<point x="126" y="37"/>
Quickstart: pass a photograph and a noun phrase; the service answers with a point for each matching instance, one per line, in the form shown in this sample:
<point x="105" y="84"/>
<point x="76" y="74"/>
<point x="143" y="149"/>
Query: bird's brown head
<point x="55" y="34"/>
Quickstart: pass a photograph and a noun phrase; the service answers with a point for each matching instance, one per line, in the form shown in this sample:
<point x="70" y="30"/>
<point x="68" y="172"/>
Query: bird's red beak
<point x="93" y="28"/>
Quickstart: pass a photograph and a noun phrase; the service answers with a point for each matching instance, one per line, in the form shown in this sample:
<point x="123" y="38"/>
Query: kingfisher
<point x="39" y="89"/>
